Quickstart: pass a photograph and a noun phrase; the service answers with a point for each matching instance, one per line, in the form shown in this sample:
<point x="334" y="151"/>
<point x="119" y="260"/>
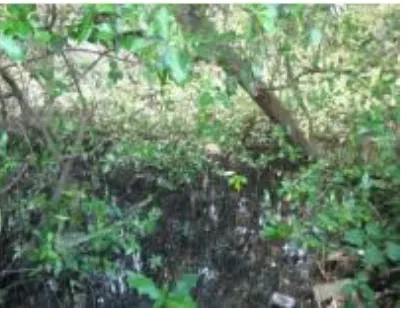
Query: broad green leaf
<point x="144" y="285"/>
<point x="85" y="28"/>
<point x="393" y="251"/>
<point x="354" y="237"/>
<point x="162" y="22"/>
<point x="12" y="49"/>
<point x="373" y="256"/>
<point x="176" y="66"/>
<point x="19" y="30"/>
<point x="139" y="44"/>
<point x="185" y="284"/>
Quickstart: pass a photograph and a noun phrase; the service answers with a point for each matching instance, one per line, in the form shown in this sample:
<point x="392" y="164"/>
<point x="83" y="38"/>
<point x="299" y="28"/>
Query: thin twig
<point x="84" y="50"/>
<point x="16" y="91"/>
<point x="15" y="180"/>
<point x="317" y="70"/>
<point x="34" y="59"/>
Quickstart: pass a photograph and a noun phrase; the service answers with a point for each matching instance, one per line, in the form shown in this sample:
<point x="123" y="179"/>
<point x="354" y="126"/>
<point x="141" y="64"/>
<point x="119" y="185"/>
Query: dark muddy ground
<point x="207" y="229"/>
<point x="210" y="230"/>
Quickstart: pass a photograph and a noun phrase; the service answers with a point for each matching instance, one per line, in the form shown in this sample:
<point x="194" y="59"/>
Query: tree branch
<point x="17" y="179"/>
<point x="80" y="136"/>
<point x="16" y="91"/>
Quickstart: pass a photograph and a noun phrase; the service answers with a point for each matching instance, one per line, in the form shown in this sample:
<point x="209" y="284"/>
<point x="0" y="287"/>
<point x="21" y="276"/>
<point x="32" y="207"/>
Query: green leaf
<point x="297" y="10"/>
<point x="373" y="256"/>
<point x="144" y="286"/>
<point x="85" y="28"/>
<point x="106" y="8"/>
<point x="105" y="32"/>
<point x="373" y="230"/>
<point x="139" y="44"/>
<point x="315" y="36"/>
<point x="277" y="231"/>
<point x="180" y="301"/>
<point x="354" y="237"/>
<point x="162" y="22"/>
<point x="349" y="289"/>
<point x="267" y="18"/>
<point x="3" y="144"/>
<point x="185" y="284"/>
<point x="366" y="181"/>
<point x="173" y="62"/>
<point x="368" y="294"/>
<point x="42" y="37"/>
<point x="393" y="251"/>
<point x="21" y="10"/>
<point x="327" y="222"/>
<point x="13" y="50"/>
<point x="19" y="30"/>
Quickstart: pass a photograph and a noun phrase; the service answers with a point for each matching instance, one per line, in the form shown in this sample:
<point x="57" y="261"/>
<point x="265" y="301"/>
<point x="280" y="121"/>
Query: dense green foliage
<point x="74" y="146"/>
